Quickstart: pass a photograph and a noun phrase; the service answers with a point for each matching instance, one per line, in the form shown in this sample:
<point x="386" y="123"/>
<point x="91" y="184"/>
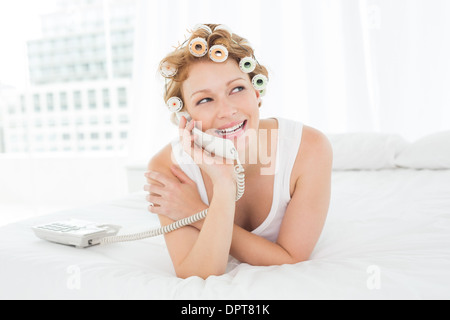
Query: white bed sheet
<point x="387" y="236"/>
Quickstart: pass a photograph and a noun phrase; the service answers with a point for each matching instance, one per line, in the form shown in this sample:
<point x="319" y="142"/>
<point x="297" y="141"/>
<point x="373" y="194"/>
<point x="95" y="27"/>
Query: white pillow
<point x="365" y="151"/>
<point x="429" y="152"/>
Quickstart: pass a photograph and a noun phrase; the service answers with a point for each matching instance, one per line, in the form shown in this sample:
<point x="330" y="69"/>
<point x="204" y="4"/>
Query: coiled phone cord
<point x="240" y="179"/>
<point x="156" y="232"/>
<point x="240" y="189"/>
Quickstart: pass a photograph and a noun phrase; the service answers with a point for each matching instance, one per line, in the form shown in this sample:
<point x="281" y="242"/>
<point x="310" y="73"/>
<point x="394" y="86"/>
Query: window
<point x="122" y="97"/>
<point x="93" y="120"/>
<point x="123" y="119"/>
<point x="92" y="102"/>
<point x="22" y="103"/>
<point x="77" y="100"/>
<point x="107" y="120"/>
<point x="11" y="109"/>
<point x="106" y="101"/>
<point x="65" y="122"/>
<point x="50" y="102"/>
<point x="62" y="66"/>
<point x="63" y="101"/>
<point x="37" y="103"/>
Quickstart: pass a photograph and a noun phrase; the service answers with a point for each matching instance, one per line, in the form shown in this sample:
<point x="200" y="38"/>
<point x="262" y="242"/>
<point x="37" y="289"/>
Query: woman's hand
<point x="218" y="169"/>
<point x="173" y="198"/>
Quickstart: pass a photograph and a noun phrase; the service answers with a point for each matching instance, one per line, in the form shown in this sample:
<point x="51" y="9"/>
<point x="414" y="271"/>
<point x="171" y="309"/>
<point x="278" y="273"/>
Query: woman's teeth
<point x="232" y="129"/>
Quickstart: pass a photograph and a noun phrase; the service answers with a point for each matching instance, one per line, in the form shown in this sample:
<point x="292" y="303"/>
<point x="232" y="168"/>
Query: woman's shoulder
<point x="162" y="160"/>
<point x="312" y="137"/>
<point x="315" y="150"/>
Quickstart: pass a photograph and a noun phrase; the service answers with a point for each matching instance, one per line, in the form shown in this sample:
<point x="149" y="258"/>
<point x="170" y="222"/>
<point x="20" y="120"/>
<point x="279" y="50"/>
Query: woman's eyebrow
<point x="208" y="90"/>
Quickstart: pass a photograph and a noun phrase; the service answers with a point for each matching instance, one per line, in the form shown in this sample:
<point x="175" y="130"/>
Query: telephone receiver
<point x="223" y="148"/>
<point x="83" y="234"/>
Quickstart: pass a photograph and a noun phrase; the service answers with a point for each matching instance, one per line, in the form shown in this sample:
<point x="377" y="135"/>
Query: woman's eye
<point x="204" y="101"/>
<point x="237" y="89"/>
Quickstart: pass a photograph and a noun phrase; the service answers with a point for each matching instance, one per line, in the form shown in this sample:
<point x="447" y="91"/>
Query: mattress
<point x="387" y="236"/>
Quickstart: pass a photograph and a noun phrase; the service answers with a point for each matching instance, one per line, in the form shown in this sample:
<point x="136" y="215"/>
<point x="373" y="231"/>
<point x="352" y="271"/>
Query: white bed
<point x="387" y="236"/>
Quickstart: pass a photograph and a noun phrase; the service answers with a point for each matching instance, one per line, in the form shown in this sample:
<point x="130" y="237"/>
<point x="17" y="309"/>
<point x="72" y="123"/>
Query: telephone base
<point x="77" y="233"/>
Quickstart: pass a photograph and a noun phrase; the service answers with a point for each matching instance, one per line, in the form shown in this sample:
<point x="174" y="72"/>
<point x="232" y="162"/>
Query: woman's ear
<point x="258" y="96"/>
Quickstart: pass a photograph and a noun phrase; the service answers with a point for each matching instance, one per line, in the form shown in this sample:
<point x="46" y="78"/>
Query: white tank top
<point x="289" y="138"/>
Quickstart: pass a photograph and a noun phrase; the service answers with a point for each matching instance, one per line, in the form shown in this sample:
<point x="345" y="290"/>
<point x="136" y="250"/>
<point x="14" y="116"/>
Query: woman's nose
<point x="226" y="109"/>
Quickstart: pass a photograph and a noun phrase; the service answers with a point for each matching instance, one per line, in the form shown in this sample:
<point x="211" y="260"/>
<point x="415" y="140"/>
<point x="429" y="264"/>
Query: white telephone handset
<point x="220" y="147"/>
<point x="82" y="234"/>
<point x="223" y="148"/>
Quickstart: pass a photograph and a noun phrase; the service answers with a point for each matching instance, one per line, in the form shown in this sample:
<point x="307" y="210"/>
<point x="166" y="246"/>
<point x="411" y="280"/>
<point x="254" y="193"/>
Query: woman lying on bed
<point x="287" y="165"/>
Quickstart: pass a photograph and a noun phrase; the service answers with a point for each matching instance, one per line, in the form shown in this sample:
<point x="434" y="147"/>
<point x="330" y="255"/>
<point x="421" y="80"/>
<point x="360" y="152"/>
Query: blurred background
<point x="81" y="108"/>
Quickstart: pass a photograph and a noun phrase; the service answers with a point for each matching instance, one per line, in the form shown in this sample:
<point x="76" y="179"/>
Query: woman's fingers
<point x="155" y="192"/>
<point x="154" y="199"/>
<point x="153" y="188"/>
<point x="182" y="122"/>
<point x="185" y="133"/>
<point x="185" y="127"/>
<point x="155" y="203"/>
<point x="158" y="177"/>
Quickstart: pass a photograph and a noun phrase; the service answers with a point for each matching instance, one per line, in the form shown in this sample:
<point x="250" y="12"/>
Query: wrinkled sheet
<point x="387" y="236"/>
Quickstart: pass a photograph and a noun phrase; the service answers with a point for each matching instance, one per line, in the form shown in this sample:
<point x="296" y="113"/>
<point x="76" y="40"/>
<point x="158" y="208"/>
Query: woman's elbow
<point x="199" y="272"/>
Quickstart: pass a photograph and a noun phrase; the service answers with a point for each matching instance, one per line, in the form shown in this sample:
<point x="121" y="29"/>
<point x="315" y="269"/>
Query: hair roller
<point x="202" y="27"/>
<point x="224" y="28"/>
<point x="198" y="47"/>
<point x="167" y="70"/>
<point x="247" y="64"/>
<point x="218" y="53"/>
<point x="260" y="82"/>
<point x="262" y="92"/>
<point x="175" y="104"/>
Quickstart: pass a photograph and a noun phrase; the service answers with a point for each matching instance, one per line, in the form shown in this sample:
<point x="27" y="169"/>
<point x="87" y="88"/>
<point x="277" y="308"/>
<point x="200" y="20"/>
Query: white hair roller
<point x="247" y="64"/>
<point x="259" y="82"/>
<point x="167" y="70"/>
<point x="263" y="92"/>
<point x="225" y="28"/>
<point x="175" y="104"/>
<point x="204" y="27"/>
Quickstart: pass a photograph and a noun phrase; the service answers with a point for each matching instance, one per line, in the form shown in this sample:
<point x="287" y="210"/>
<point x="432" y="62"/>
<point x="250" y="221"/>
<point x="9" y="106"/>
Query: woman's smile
<point x="233" y="130"/>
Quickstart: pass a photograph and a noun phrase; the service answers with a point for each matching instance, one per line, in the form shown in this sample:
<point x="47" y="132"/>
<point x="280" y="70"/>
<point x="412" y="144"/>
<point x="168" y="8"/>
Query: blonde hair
<point x="181" y="59"/>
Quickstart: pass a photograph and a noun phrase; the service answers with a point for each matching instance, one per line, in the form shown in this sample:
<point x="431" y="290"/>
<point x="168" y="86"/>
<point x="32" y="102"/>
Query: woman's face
<point x="222" y="99"/>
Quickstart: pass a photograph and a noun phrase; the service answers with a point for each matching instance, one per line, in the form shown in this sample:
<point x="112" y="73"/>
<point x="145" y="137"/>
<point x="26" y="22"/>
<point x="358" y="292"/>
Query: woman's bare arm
<point x="199" y="252"/>
<point x="302" y="224"/>
<point x="305" y="215"/>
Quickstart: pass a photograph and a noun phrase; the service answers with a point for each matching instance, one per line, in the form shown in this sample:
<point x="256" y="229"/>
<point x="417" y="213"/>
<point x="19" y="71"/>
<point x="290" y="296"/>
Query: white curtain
<point x="337" y="65"/>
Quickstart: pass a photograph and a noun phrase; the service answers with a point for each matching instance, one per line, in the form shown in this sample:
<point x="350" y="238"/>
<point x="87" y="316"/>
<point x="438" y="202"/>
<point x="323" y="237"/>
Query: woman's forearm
<point x="209" y="255"/>
<point x="253" y="249"/>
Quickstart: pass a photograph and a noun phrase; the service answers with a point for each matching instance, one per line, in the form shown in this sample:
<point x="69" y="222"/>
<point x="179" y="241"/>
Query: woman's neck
<point x="260" y="154"/>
